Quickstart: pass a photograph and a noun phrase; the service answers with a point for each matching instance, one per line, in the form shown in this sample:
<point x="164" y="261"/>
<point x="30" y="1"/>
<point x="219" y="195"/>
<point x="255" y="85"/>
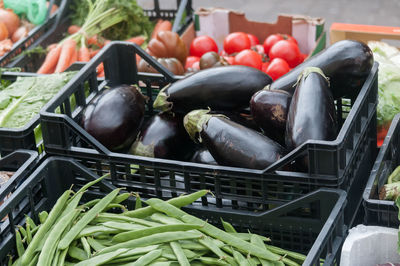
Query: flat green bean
<point x="29" y="221"/>
<point x="212" y="261"/>
<point x="20" y="246"/>
<point x="90" y="230"/>
<point x="95" y="244"/>
<point x="211" y="230"/>
<point x="209" y="243"/>
<point x="90" y="215"/>
<point x="247" y="237"/>
<point x="291" y="254"/>
<point x="55" y="259"/>
<point x="121" y="197"/>
<point x="153" y="239"/>
<point x="192" y="245"/>
<point x="54" y="236"/>
<point x="28" y="233"/>
<point x="228" y="227"/>
<point x="45" y="227"/>
<point x="115" y="205"/>
<point x="61" y="259"/>
<point x="126" y="236"/>
<point x="179" y="202"/>
<point x="124" y="226"/>
<point x="102" y="259"/>
<point x="87" y="185"/>
<point x="112" y="216"/>
<point x="138" y="202"/>
<point x="256" y="240"/>
<point x="180" y="255"/>
<point x="147" y="259"/>
<point x="86" y="246"/>
<point x="43" y="216"/>
<point x="22" y="231"/>
<point x="162" y="218"/>
<point x="34" y="261"/>
<point x="77" y="253"/>
<point x="240" y="259"/>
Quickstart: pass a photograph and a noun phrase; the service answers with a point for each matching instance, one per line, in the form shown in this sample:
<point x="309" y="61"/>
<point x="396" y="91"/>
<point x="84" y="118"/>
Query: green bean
<point x="164" y="263"/>
<point x="20" y="246"/>
<point x="162" y="218"/>
<point x="228" y="227"/>
<point x="154" y="239"/>
<point x="138" y="202"/>
<point x="113" y="216"/>
<point x="126" y="236"/>
<point x="179" y="202"/>
<point x="87" y="185"/>
<point x="43" y="216"/>
<point x="147" y="259"/>
<point x="61" y="259"/>
<point x="180" y="255"/>
<point x="256" y="240"/>
<point x="86" y="246"/>
<point x="115" y="205"/>
<point x="95" y="244"/>
<point x="124" y="226"/>
<point x="54" y="236"/>
<point x="22" y="231"/>
<point x="28" y="233"/>
<point x="211" y="230"/>
<point x="187" y="244"/>
<point x="72" y="205"/>
<point x="209" y="243"/>
<point x="138" y="251"/>
<point x="90" y="215"/>
<point x="55" y="259"/>
<point x="10" y="258"/>
<point x="34" y="261"/>
<point x="102" y="259"/>
<point x="240" y="259"/>
<point x="103" y="236"/>
<point x="45" y="227"/>
<point x="125" y="260"/>
<point x="90" y="230"/>
<point x="91" y="203"/>
<point x="121" y="197"/>
<point x="291" y="254"/>
<point x="77" y="253"/>
<point x="105" y="242"/>
<point x="34" y="230"/>
<point x="212" y="261"/>
<point x="247" y="237"/>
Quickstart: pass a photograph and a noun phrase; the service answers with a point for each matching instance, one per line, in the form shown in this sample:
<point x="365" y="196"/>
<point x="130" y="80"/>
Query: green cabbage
<point x="388" y="58"/>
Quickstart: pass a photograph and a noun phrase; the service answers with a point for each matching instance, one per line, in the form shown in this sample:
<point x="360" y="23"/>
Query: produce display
<point x="102" y="231"/>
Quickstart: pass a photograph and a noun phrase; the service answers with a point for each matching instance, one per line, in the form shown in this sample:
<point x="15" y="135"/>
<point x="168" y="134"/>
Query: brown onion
<point x="20" y="33"/>
<point x="8" y="17"/>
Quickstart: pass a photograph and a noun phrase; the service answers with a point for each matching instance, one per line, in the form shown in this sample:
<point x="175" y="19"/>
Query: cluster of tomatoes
<point x="278" y="54"/>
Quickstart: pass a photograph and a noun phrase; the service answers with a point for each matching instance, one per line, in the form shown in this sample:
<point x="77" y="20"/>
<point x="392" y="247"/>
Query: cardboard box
<point x="219" y="22"/>
<point x="364" y="33"/>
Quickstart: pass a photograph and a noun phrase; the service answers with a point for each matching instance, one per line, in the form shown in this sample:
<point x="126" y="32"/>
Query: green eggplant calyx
<point x="394" y="176"/>
<point x="194" y="122"/>
<point x="267" y="88"/>
<point x="307" y="71"/>
<point x="161" y="102"/>
<point x="138" y="148"/>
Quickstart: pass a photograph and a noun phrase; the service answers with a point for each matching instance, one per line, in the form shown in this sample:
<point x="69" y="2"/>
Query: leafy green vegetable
<point x="24" y="98"/>
<point x="135" y="22"/>
<point x="388" y="58"/>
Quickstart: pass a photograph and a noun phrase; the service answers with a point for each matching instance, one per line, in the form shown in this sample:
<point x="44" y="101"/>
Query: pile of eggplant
<point x="233" y="115"/>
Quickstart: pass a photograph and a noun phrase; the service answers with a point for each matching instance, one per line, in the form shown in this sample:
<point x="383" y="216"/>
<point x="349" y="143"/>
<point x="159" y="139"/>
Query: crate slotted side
<point x="320" y="235"/>
<point x="238" y="188"/>
<point x="182" y="13"/>
<point x="383" y="212"/>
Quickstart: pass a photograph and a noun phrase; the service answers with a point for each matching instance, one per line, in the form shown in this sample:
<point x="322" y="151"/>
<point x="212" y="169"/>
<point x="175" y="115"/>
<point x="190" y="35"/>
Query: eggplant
<point x="230" y="143"/>
<point x="269" y="109"/>
<point x="163" y="136"/>
<point x="346" y="63"/>
<point x="242" y="117"/>
<point x="312" y="114"/>
<point x="203" y="156"/>
<point x="115" y="116"/>
<point x="220" y="88"/>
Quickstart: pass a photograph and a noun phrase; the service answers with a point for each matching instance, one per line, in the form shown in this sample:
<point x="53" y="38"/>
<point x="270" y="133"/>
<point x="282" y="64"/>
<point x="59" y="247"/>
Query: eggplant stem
<point x="194" y="122"/>
<point x="161" y="102"/>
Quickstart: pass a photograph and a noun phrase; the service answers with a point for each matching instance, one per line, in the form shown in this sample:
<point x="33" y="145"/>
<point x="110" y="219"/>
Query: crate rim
<point x="333" y="145"/>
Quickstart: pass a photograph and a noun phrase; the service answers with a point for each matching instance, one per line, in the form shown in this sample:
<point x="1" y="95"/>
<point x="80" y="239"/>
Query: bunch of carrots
<point x="72" y="49"/>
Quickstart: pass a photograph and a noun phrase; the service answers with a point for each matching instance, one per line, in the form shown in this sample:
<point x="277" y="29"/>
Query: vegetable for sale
<point x="346" y="63"/>
<point x="168" y="44"/>
<point x="248" y="58"/>
<point x="203" y="156"/>
<point x="236" y="42"/>
<point x="232" y="144"/>
<point x="201" y="45"/>
<point x="23" y="99"/>
<point x="172" y="64"/>
<point x="212" y="59"/>
<point x="115" y="116"/>
<point x="286" y="50"/>
<point x="270" y="109"/>
<point x="312" y="114"/>
<point x="163" y="136"/>
<point x="221" y="88"/>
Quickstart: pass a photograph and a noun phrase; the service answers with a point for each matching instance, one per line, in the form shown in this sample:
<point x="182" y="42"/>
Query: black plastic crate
<point x="320" y="235"/>
<point x="48" y="26"/>
<point x="383" y="212"/>
<point x="343" y="163"/>
<point x="182" y="16"/>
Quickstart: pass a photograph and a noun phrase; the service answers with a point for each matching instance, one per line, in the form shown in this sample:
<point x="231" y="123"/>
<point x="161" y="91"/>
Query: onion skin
<point x="12" y="21"/>
<point x="19" y="34"/>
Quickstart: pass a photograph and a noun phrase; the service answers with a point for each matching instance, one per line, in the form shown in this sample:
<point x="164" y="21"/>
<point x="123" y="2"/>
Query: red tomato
<point x="201" y="45"/>
<point x="286" y="50"/>
<point x="290" y="38"/>
<point x="303" y="57"/>
<point x="248" y="58"/>
<point x="196" y="65"/>
<point x="258" y="48"/>
<point x="264" y="66"/>
<point x="190" y="60"/>
<point x="253" y="39"/>
<point x="223" y="53"/>
<point x="277" y="68"/>
<point x="270" y="41"/>
<point x="230" y="59"/>
<point x="236" y="42"/>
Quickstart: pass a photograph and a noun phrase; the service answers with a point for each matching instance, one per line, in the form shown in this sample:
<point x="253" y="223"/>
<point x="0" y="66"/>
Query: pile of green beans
<point x="103" y="231"/>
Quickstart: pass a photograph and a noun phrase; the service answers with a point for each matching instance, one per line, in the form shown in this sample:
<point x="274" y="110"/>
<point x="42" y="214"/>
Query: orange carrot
<point x="74" y="57"/>
<point x="73" y="29"/>
<point x="161" y="25"/>
<point x="93" y="53"/>
<point x="139" y="40"/>
<point x="95" y="40"/>
<point x="101" y="74"/>
<point x="52" y="46"/>
<point x="83" y="54"/>
<point x="67" y="51"/>
<point x="100" y="68"/>
<point x="51" y="61"/>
